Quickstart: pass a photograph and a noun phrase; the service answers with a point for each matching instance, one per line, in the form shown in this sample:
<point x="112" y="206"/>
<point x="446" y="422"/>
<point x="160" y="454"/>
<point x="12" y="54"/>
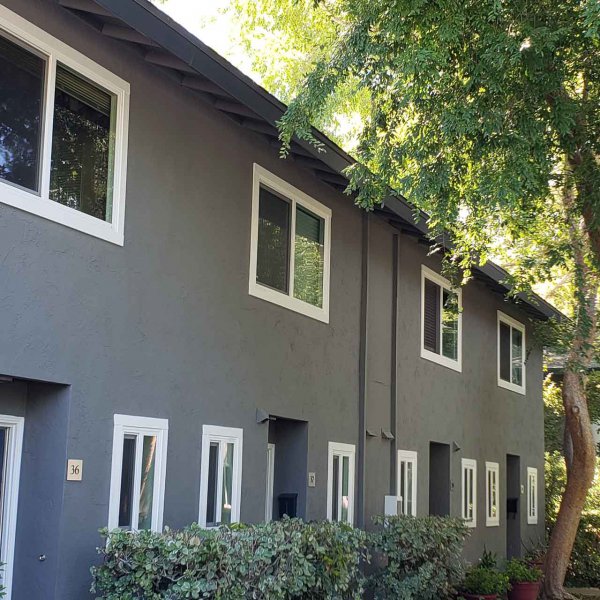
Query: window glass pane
<point x="517" y="356"/>
<point x="81" y="146"/>
<point x="308" y="257"/>
<point x="470" y="513"/>
<point x="403" y="487"/>
<point x="3" y="458"/>
<point x="213" y="467"/>
<point x="465" y="494"/>
<point x="272" y="266"/>
<point x="431" y="317"/>
<point x="127" y="474"/>
<point x="504" y="352"/>
<point x="450" y="326"/>
<point x="147" y="482"/>
<point x="345" y="488"/>
<point x="409" y="487"/>
<point x="22" y="75"/>
<point x="335" y="496"/>
<point x="227" y="492"/>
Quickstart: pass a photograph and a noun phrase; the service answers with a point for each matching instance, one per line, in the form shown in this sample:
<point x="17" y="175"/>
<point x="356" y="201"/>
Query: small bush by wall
<point x="423" y="557"/>
<point x="282" y="560"/>
<point x="419" y="559"/>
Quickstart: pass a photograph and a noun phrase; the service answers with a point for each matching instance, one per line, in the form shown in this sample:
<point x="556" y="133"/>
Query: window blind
<point x="431" y="317"/>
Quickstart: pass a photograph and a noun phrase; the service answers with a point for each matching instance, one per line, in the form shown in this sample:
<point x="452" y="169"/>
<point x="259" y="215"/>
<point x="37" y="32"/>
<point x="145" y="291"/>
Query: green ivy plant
<point x="518" y="571"/>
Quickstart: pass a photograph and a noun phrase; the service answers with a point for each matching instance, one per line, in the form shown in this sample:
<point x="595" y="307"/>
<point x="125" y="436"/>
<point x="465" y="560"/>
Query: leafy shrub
<point x="488" y="560"/>
<point x="281" y="560"/>
<point x="518" y="571"/>
<point x="482" y="580"/>
<point x="423" y="557"/>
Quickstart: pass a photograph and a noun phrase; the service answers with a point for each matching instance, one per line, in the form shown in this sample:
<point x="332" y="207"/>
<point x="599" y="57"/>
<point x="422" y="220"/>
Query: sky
<point x="208" y="20"/>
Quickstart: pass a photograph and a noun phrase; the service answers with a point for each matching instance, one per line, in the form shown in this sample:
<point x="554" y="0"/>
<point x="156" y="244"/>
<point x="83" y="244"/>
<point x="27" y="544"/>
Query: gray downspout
<point x="394" y="368"/>
<point x="362" y="372"/>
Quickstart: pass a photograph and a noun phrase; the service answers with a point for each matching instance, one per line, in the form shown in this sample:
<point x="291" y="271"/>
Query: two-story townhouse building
<point x="196" y="330"/>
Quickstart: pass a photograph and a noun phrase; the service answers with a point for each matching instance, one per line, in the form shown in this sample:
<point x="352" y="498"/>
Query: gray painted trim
<point x="362" y="373"/>
<point x="394" y="367"/>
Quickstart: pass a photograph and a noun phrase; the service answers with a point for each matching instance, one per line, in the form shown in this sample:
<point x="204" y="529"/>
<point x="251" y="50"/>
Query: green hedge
<point x="283" y="560"/>
<point x="280" y="560"/>
<point x="423" y="557"/>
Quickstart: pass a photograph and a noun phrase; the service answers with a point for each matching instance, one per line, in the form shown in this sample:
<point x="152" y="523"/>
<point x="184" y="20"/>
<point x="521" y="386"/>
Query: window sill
<point x="532" y="521"/>
<point x="492" y="523"/>
<point x="455" y="365"/>
<point x="298" y="306"/>
<point x="518" y="389"/>
<point x="53" y="211"/>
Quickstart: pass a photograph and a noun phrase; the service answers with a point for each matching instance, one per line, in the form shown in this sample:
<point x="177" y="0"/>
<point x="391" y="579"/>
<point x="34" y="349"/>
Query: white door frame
<point x="12" y="475"/>
<point x="270" y="482"/>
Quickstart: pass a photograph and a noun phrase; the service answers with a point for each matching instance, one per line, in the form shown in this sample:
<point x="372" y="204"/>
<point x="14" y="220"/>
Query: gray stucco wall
<point x="164" y="327"/>
<point x="437" y="404"/>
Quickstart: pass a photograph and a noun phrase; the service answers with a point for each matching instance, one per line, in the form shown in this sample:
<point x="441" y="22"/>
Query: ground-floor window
<point x="340" y="486"/>
<point x="11" y="444"/>
<point x="492" y="494"/>
<point x="407" y="482"/>
<point x="220" y="475"/>
<point x="532" y="496"/>
<point x="469" y="491"/>
<point x="139" y="460"/>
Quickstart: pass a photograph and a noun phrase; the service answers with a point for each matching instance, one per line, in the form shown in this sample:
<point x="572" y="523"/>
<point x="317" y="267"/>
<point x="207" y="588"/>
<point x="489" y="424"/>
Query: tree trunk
<point x="580" y="475"/>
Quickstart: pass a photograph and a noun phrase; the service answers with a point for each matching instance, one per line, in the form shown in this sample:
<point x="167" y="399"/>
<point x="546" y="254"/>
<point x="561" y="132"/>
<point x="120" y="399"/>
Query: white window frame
<point x="469" y="464"/>
<point x="39" y="203"/>
<point x="227" y="435"/>
<point x="514" y="324"/>
<point x="139" y="426"/>
<point x="341" y="450"/>
<point x="455" y="365"/>
<point x="407" y="456"/>
<point x="492" y="468"/>
<point x="532" y="496"/>
<point x="270" y="482"/>
<point x="295" y="197"/>
<point x="15" y="426"/>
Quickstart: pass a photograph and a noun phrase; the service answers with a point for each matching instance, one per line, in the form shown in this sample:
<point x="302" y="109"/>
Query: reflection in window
<point x="341" y="482"/>
<point x="511" y="360"/>
<point x="22" y="75"/>
<point x="137" y="487"/>
<point x="407" y="482"/>
<point x="221" y="476"/>
<point x="81" y="146"/>
<point x="309" y="255"/>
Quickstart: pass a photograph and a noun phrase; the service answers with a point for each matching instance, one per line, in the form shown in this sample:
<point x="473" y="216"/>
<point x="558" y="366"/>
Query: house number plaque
<point x="74" y="469"/>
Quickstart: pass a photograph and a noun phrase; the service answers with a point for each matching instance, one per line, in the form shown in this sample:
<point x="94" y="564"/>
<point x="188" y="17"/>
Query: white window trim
<point x="128" y="424"/>
<point x="339" y="449"/>
<point x="234" y="435"/>
<point x="455" y="365"/>
<point x="532" y="516"/>
<point x="295" y="196"/>
<point x="509" y="385"/>
<point x="15" y="425"/>
<point x="469" y="463"/>
<point x="270" y="482"/>
<point x="412" y="457"/>
<point x="492" y="467"/>
<point x="39" y="203"/>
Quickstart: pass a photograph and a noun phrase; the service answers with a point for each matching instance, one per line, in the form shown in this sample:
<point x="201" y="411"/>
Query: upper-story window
<point x="511" y="354"/>
<point x="63" y="132"/>
<point x="289" y="258"/>
<point x="441" y="320"/>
